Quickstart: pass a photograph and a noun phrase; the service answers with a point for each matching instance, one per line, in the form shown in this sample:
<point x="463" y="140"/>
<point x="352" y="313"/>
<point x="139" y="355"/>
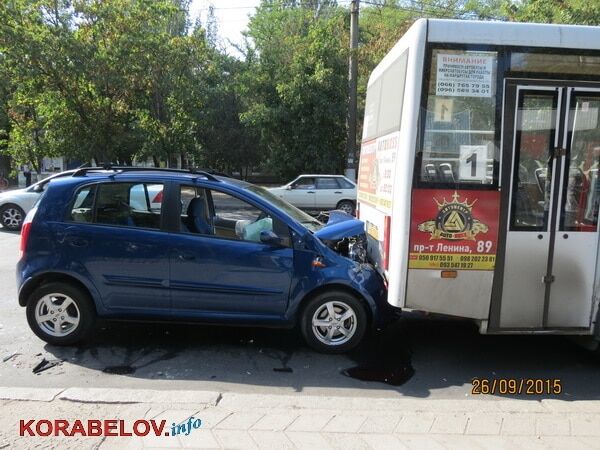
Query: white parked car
<point x="319" y="192"/>
<point x="14" y="205"/>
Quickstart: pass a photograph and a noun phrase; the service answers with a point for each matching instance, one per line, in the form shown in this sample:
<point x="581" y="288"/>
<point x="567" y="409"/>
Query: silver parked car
<point x="319" y="192"/>
<point x="14" y="205"/>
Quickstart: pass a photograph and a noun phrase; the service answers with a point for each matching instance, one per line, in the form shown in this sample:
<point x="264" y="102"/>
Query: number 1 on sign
<point x="473" y="163"/>
<point x="473" y="160"/>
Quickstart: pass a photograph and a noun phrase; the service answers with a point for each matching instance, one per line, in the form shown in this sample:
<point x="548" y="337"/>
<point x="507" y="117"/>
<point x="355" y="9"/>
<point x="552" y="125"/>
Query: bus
<point x="478" y="177"/>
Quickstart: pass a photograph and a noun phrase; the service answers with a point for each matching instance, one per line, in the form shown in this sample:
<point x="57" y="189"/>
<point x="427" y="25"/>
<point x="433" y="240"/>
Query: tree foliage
<point x="109" y="80"/>
<point x="124" y="80"/>
<point x="295" y="85"/>
<point x="580" y="12"/>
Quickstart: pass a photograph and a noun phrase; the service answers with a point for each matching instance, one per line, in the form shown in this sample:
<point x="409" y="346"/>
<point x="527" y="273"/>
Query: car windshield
<point x="300" y="216"/>
<point x="41" y="185"/>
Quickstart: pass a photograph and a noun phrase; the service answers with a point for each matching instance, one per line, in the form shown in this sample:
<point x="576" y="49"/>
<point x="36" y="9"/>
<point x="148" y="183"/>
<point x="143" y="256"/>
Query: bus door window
<point x="533" y="147"/>
<point x="582" y="193"/>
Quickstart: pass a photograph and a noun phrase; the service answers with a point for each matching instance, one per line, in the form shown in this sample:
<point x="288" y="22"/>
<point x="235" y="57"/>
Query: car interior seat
<point x="197" y="217"/>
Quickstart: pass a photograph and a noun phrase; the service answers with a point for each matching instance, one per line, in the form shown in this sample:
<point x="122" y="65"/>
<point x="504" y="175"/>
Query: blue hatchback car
<point x="154" y="244"/>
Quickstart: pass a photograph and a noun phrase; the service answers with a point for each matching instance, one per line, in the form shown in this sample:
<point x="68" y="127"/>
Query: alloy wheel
<point x="57" y="315"/>
<point x="334" y="323"/>
<point x="12" y="218"/>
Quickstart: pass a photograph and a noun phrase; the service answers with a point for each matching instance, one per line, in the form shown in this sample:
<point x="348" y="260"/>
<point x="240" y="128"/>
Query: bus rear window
<point x="459" y="145"/>
<point x="385" y="98"/>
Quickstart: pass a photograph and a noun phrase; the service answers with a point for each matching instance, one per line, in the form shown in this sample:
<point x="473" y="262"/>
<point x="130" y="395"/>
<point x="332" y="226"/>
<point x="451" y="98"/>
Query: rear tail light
<point x="25" y="229"/>
<point x="386" y="241"/>
<point x="158" y="197"/>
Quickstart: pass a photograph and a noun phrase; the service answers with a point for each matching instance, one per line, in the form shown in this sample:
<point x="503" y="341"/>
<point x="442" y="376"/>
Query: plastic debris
<point x="10" y="356"/>
<point x="45" y="365"/>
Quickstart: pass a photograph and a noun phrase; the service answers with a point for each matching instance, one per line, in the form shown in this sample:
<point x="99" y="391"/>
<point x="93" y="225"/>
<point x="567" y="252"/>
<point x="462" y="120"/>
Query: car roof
<point x="320" y="175"/>
<point x="97" y="175"/>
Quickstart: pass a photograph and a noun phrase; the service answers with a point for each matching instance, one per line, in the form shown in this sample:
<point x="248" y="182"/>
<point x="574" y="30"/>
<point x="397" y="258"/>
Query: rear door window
<point x="124" y="204"/>
<point x="327" y="183"/>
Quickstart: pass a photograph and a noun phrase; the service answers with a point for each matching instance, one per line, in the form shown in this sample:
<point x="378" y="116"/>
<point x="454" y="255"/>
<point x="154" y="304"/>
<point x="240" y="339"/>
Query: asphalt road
<point x="420" y="356"/>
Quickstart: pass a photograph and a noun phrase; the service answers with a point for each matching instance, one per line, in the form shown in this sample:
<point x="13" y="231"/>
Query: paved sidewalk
<point x="276" y="422"/>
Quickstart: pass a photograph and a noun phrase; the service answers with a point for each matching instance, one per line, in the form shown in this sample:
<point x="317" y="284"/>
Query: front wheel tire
<point x="60" y="314"/>
<point x="334" y="322"/>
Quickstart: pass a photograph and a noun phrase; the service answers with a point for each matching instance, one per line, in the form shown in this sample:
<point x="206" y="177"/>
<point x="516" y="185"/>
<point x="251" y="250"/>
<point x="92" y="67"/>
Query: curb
<point x="105" y="395"/>
<point x="242" y="402"/>
<point x="232" y="401"/>
<point x="29" y="394"/>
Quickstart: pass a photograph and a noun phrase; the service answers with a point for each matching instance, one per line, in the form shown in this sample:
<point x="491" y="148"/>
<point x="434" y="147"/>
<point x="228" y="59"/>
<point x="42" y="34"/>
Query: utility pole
<point x="352" y="83"/>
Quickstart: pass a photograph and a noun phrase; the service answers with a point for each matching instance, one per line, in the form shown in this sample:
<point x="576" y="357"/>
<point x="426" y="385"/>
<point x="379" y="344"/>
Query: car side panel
<point x="211" y="274"/>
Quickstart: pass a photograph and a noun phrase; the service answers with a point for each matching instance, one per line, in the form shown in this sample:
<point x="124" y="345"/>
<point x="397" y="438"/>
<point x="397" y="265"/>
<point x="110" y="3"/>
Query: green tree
<point x="580" y="12"/>
<point x="296" y="83"/>
<point x="107" y="80"/>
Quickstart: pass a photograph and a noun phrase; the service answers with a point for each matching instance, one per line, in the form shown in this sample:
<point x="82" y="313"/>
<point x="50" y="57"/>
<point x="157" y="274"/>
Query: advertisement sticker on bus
<point x="454" y="230"/>
<point x="376" y="171"/>
<point x="464" y="75"/>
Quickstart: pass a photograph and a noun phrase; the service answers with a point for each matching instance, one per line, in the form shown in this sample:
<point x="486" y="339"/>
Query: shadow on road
<point x="7" y="231"/>
<point x="415" y="357"/>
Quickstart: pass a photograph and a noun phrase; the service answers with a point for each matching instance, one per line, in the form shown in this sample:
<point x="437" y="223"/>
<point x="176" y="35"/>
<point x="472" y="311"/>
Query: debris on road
<point x="46" y="364"/>
<point x="10" y="356"/>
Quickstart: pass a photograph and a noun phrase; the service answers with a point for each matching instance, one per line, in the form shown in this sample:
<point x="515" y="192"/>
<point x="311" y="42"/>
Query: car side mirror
<point x="268" y="237"/>
<point x="289" y="187"/>
<point x="38" y="188"/>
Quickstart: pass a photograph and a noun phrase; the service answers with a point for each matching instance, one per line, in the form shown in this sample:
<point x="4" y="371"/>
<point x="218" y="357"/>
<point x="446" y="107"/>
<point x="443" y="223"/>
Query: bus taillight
<point x="386" y="241"/>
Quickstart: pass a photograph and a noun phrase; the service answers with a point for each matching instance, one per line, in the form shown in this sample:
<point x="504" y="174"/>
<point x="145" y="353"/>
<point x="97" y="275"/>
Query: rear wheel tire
<point x="347" y="206"/>
<point x="12" y="217"/>
<point x="334" y="322"/>
<point x="60" y="313"/>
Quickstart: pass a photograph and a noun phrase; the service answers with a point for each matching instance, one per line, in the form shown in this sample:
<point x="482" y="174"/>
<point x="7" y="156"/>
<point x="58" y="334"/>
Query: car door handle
<point x="337" y="192"/>
<point x="186" y="257"/>
<point x="131" y="247"/>
<point x="310" y="192"/>
<point x="75" y="241"/>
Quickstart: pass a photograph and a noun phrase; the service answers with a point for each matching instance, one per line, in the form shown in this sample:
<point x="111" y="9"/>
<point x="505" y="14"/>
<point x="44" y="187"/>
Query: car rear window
<point x="345" y="184"/>
<point x="82" y="210"/>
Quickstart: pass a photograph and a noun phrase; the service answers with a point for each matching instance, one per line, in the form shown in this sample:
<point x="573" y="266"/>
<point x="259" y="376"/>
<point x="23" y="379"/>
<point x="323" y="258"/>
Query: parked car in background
<point x="319" y="192"/>
<point x="14" y="205"/>
<point x="213" y="249"/>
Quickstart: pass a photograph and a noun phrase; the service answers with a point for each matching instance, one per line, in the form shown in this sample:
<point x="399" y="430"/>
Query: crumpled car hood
<point x="340" y="225"/>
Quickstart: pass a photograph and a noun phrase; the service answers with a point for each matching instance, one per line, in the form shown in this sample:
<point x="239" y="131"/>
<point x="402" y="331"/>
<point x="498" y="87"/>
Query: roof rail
<point x="121" y="169"/>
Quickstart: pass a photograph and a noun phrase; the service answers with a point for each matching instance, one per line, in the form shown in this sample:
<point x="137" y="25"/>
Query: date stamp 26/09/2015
<point x="516" y="386"/>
